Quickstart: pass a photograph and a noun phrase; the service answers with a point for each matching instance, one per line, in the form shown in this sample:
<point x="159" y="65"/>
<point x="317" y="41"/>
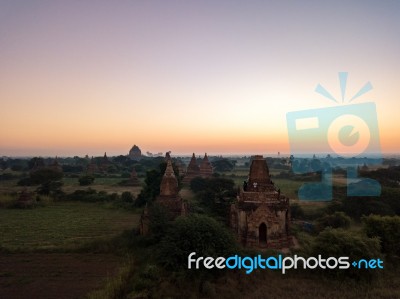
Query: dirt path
<point x="53" y="275"/>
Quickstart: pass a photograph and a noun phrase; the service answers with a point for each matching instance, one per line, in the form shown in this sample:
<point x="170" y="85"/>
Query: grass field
<point x="109" y="185"/>
<point x="61" y="226"/>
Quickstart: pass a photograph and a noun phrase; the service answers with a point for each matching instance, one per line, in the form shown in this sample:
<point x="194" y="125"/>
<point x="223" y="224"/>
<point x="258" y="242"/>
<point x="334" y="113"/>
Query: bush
<point x="296" y="211"/>
<point x="7" y="201"/>
<point x="91" y="195"/>
<point x="195" y="233"/>
<point x="214" y="194"/>
<point x="51" y="188"/>
<point x="44" y="175"/>
<point x="127" y="197"/>
<point x="159" y="223"/>
<point x="198" y="184"/>
<point x="24" y="182"/>
<point x="336" y="220"/>
<point x="86" y="180"/>
<point x="387" y="229"/>
<point x="338" y="242"/>
<point x="125" y="174"/>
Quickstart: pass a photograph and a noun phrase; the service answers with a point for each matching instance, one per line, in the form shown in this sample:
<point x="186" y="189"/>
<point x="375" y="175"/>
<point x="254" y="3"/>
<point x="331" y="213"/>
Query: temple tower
<point x="169" y="183"/>
<point x="206" y="170"/>
<point x="92" y="167"/>
<point x="135" y="153"/>
<point x="192" y="171"/>
<point x="134" y="181"/>
<point x="260" y="217"/>
<point x="169" y="198"/>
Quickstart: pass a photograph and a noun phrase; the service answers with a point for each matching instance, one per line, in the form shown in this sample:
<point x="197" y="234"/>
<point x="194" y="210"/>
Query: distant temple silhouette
<point x="205" y="169"/>
<point x="169" y="198"/>
<point x="135" y="153"/>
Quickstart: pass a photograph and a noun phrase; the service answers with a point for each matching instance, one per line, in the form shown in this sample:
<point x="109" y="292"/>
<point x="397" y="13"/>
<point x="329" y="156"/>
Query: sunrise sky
<point x="85" y="77"/>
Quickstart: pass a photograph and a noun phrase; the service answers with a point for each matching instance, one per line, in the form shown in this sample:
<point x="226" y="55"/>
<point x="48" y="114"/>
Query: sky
<point x="88" y="77"/>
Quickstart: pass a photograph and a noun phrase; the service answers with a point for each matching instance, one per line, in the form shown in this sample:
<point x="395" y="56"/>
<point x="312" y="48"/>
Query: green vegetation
<point x="335" y="220"/>
<point x="214" y="195"/>
<point x="223" y="165"/>
<point x="387" y="229"/>
<point x="61" y="226"/>
<point x="118" y="286"/>
<point x="338" y="242"/>
<point x="194" y="233"/>
<point x="86" y="180"/>
<point x="104" y="217"/>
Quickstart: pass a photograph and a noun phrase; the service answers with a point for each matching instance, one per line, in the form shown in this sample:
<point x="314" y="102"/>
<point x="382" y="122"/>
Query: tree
<point x="3" y="164"/>
<point x="215" y="194"/>
<point x="51" y="188"/>
<point x="121" y="159"/>
<point x="127" y="197"/>
<point x="198" y="184"/>
<point x="223" y="165"/>
<point x="86" y="180"/>
<point x="316" y="164"/>
<point x="36" y="162"/>
<point x="335" y="220"/>
<point x="296" y="211"/>
<point x="18" y="164"/>
<point x="195" y="233"/>
<point x="338" y="242"/>
<point x="44" y="175"/>
<point x="387" y="229"/>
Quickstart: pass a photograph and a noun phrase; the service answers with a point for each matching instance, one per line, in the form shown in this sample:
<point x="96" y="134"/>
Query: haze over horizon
<point x="78" y="78"/>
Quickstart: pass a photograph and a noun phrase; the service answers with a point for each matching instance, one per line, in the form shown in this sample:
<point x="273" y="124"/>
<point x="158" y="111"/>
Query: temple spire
<point x="169" y="183"/>
<point x="206" y="169"/>
<point x="192" y="171"/>
<point x="169" y="171"/>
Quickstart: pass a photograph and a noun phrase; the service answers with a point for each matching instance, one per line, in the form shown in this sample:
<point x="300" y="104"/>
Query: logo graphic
<point x="283" y="263"/>
<point x="344" y="136"/>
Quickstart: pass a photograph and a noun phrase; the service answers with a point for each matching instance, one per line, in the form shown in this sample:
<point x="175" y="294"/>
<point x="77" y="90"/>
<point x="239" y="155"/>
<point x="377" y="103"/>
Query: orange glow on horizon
<point x="216" y="78"/>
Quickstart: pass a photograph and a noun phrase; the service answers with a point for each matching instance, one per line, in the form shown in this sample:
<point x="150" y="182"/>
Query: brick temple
<point x="205" y="170"/>
<point x="169" y="198"/>
<point x="260" y="217"/>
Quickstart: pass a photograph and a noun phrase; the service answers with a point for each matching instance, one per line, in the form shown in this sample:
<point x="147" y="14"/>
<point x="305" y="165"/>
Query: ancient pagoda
<point x="134" y="180"/>
<point x="169" y="193"/>
<point x="206" y="170"/>
<point x="92" y="167"/>
<point x="135" y="153"/>
<point x="169" y="198"/>
<point x="55" y="165"/>
<point x="261" y="216"/>
<point x="105" y="163"/>
<point x="192" y="170"/>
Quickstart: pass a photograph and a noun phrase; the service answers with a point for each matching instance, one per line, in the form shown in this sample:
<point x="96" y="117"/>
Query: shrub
<point x="387" y="229"/>
<point x="127" y="197"/>
<point x="44" y="175"/>
<point x="91" y="195"/>
<point x="51" y="188"/>
<point x="214" y="194"/>
<point x="336" y="220"/>
<point x="296" y="211"/>
<point x="198" y="184"/>
<point x="86" y="180"/>
<point x="195" y="233"/>
<point x="24" y="182"/>
<point x="338" y="242"/>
